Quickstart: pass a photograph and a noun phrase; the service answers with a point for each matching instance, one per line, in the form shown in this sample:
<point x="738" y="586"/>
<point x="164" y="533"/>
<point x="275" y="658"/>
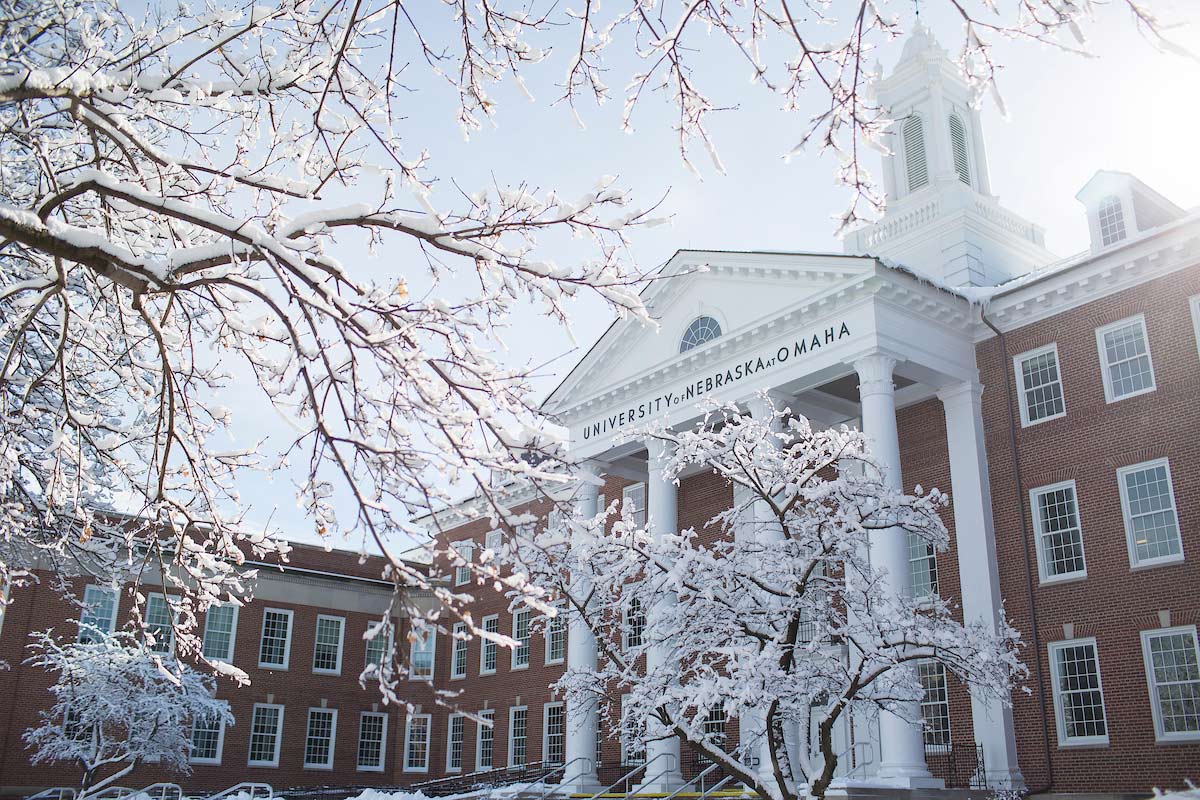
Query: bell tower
<point x="942" y="220"/>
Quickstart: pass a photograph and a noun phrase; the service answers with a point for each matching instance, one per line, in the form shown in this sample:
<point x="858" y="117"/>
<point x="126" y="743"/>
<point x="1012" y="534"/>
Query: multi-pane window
<point x="276" y="644"/>
<point x="714" y="726"/>
<point x="1078" y="695"/>
<point x="556" y="636"/>
<point x="1173" y="675"/>
<point x="518" y="736"/>
<point x="1195" y="305"/>
<point x="1125" y="359"/>
<point x="454" y="743"/>
<point x="494" y="541"/>
<point x="554" y="734"/>
<point x="935" y="703"/>
<point x="1059" y="537"/>
<point x="208" y="735"/>
<point x="327" y="652"/>
<point x="922" y="566"/>
<point x="635" y="623"/>
<point x="487" y="647"/>
<point x="633" y="735"/>
<point x="1041" y="395"/>
<point x="462" y="572"/>
<point x="220" y="628"/>
<point x="520" y="628"/>
<point x="372" y="734"/>
<point x="420" y="654"/>
<point x="416" y="743"/>
<point x="458" y="658"/>
<point x="378" y="646"/>
<point x="160" y="624"/>
<point x="1148" y="502"/>
<point x="485" y="739"/>
<point x="1112" y="220"/>
<point x="634" y="503"/>
<point x="700" y="331"/>
<point x="265" y="725"/>
<point x="318" y="740"/>
<point x="99" y="613"/>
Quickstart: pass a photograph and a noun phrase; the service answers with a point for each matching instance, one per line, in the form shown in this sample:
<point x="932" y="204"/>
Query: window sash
<point x="421" y="654"/>
<point x="485" y="738"/>
<point x="635" y="624"/>
<point x="633" y="742"/>
<point x="1172" y="657"/>
<point x="160" y="624"/>
<point x="518" y="736"/>
<point x="378" y="647"/>
<point x="220" y="632"/>
<point x="466" y="551"/>
<point x="1039" y="376"/>
<point x="1128" y="368"/>
<point x="455" y="730"/>
<point x="266" y="724"/>
<point x="1055" y="510"/>
<point x="935" y="703"/>
<point x="488" y="649"/>
<point x="372" y="738"/>
<point x="99" y="612"/>
<point x="327" y="648"/>
<point x="1151" y="518"/>
<point x="554" y="734"/>
<point x="207" y="740"/>
<point x="1111" y="218"/>
<point x="922" y="566"/>
<point x="520" y="653"/>
<point x="633" y="504"/>
<point x="458" y="658"/>
<point x="556" y="637"/>
<point x="319" y="738"/>
<point x="275" y="644"/>
<point x="416" y="743"/>
<point x="1078" y="693"/>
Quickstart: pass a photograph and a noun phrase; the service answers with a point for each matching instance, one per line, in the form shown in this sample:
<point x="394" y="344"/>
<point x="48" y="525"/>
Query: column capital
<point x="759" y="404"/>
<point x="875" y="374"/>
<point x="962" y="392"/>
<point x="660" y="450"/>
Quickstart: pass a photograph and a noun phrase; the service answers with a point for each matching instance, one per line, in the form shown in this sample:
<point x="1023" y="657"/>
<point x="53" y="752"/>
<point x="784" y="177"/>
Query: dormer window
<point x="702" y="330"/>
<point x="958" y="145"/>
<point x="915" y="163"/>
<point x="1112" y="220"/>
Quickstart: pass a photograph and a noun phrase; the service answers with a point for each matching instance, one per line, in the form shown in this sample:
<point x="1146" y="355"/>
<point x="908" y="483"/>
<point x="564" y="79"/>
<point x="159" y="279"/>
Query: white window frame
<point x="528" y="614"/>
<point x="489" y="714"/>
<point x="341" y="645"/>
<point x="458" y="645"/>
<point x="512" y="751"/>
<point x="638" y="516"/>
<point x="1019" y="374"/>
<point x="383" y="743"/>
<point x="1131" y="545"/>
<point x="287" y="644"/>
<point x="172" y="614"/>
<point x="487" y="645"/>
<point x="278" y="736"/>
<point x="627" y="613"/>
<point x="431" y="634"/>
<point x="97" y="589"/>
<point x="627" y="737"/>
<point x="391" y="633"/>
<point x="1101" y="352"/>
<point x="462" y="744"/>
<point x="559" y="619"/>
<point x="1044" y="575"/>
<point x="546" y="709"/>
<point x="464" y="549"/>
<point x="1194" y="303"/>
<point x="1156" y="709"/>
<point x="220" y="744"/>
<point x="408" y="767"/>
<point x="228" y="657"/>
<point x="332" y="737"/>
<point x="494" y="540"/>
<point x="1060" y="723"/>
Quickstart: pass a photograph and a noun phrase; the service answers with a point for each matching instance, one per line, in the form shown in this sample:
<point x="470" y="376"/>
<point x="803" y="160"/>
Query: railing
<point x="960" y="767"/>
<point x="700" y="776"/>
<point x="860" y="760"/>
<point x="54" y="793"/>
<point x="533" y="772"/>
<point x="547" y="787"/>
<point x="254" y="791"/>
<point x="643" y="768"/>
<point x="109" y="793"/>
<point x="160" y="791"/>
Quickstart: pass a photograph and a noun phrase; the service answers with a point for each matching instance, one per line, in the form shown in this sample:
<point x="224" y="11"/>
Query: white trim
<point x="1194" y="303"/>
<point x="512" y="714"/>
<point x="1022" y="400"/>
<point x="546" y="709"/>
<point x="430" y="635"/>
<point x="455" y="644"/>
<point x="486" y="644"/>
<point x="487" y="713"/>
<point x="340" y="645"/>
<point x="1134" y="562"/>
<point x="228" y="658"/>
<point x="220" y="745"/>
<point x="1159" y="734"/>
<point x="287" y="645"/>
<point x="172" y="616"/>
<point x="387" y="652"/>
<point x="332" y="737"/>
<point x="462" y="744"/>
<point x="528" y="614"/>
<point x="408" y="740"/>
<point x="464" y="549"/>
<point x="278" y="736"/>
<point x="638" y="515"/>
<point x="383" y="742"/>
<point x="116" y="598"/>
<point x="1078" y="741"/>
<point x="1104" y="367"/>
<point x="561" y="620"/>
<point x="1034" y="509"/>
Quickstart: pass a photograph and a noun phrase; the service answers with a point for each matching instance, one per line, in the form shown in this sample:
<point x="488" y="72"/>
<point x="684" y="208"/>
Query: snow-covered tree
<point x="777" y="616"/>
<point x="115" y="707"/>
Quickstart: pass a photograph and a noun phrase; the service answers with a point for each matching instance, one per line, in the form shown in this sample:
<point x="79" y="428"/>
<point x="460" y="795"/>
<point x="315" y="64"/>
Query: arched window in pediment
<point x="701" y="330"/>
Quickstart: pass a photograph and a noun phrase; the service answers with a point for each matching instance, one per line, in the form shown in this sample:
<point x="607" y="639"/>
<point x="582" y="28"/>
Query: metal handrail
<point x="635" y="771"/>
<point x="862" y="762"/>
<point x="250" y="787"/>
<point x="697" y="777"/>
<point x="54" y="793"/>
<point x="109" y="792"/>
<point x="546" y="789"/>
<point x="716" y="787"/>
<point x="161" y="791"/>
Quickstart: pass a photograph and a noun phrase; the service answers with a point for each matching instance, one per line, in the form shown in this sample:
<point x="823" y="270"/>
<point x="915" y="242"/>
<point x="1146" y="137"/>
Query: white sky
<point x="1130" y="108"/>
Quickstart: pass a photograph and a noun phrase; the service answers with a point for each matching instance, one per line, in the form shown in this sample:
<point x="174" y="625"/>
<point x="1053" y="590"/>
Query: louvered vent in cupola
<point x="958" y="143"/>
<point x="914" y="153"/>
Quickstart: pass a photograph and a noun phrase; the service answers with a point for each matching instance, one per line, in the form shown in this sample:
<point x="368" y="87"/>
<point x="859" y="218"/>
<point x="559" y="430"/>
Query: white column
<point x="979" y="576"/>
<point x="582" y="717"/>
<point x="902" y="756"/>
<point x="662" y="773"/>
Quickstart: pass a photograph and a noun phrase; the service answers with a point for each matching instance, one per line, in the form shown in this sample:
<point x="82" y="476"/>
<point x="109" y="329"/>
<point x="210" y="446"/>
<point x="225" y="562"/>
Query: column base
<point x="917" y="778"/>
<point x="662" y="784"/>
<point x="1005" y="779"/>
<point x="581" y="784"/>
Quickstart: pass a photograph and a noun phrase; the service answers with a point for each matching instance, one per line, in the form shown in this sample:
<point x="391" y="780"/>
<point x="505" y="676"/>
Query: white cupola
<point x="1119" y="206"/>
<point x="942" y="219"/>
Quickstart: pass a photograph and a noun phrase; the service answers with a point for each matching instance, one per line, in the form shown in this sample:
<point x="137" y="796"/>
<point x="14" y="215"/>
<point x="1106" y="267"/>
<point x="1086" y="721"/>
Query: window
<point x="458" y="659"/>
<point x="935" y="703"/>
<point x="1111" y="219"/>
<point x="494" y="541"/>
<point x="99" y="613"/>
<point x="372" y="734"/>
<point x="1041" y="393"/>
<point x="518" y="736"/>
<point x="454" y="743"/>
<point x="420" y="654"/>
<point x="922" y="566"/>
<point x="520" y="653"/>
<point x="416" y="743"/>
<point x="634" y="503"/>
<point x="958" y="146"/>
<point x="1148" y="502"/>
<point x="208" y="739"/>
<point x="1078" y="696"/>
<point x="599" y="740"/>
<point x="318" y="741"/>
<point x="485" y="736"/>
<point x="1195" y="304"/>
<point x="554" y="734"/>
<point x="265" y="725"/>
<point x="488" y="647"/>
<point x="462" y="572"/>
<point x="633" y="735"/>
<point x="1059" y="536"/>
<point x="701" y="331"/>
<point x="556" y="636"/>
<point x="379" y="646"/>
<point x="635" y="623"/>
<point x="714" y="726"/>
<point x="1125" y="359"/>
<point x="276" y="645"/>
<point x="327" y="652"/>
<point x="913" y="135"/>
<point x="160" y="624"/>
<point x="220" y="631"/>
<point x="1173" y="675"/>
